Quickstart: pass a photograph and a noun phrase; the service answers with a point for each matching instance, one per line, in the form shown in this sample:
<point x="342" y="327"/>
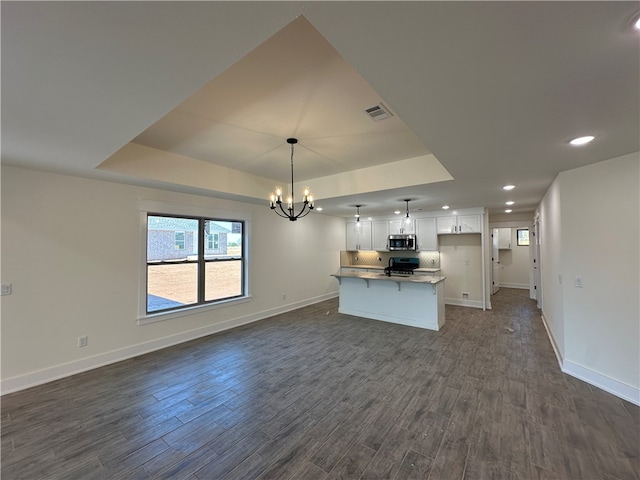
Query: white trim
<point x="608" y="384"/>
<point x="552" y="339"/>
<point x="21" y="382"/>
<point x="162" y="316"/>
<point x="467" y="303"/>
<point x="522" y="286"/>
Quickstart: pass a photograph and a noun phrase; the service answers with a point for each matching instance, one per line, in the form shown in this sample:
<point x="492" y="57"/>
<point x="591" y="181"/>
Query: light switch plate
<point x="5" y="289"/>
<point x="578" y="282"/>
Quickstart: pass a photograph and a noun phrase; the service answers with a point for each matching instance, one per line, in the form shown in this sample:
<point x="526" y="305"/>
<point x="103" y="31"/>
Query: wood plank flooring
<point x="313" y="394"/>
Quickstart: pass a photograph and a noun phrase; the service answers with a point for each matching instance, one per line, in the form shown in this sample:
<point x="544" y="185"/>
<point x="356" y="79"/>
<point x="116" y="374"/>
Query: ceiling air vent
<point x="378" y="112"/>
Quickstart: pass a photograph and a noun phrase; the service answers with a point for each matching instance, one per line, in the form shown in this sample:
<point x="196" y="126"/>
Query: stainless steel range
<point x="401" y="266"/>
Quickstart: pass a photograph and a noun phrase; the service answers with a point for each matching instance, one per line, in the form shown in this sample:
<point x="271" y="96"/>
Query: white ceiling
<point x="200" y="96"/>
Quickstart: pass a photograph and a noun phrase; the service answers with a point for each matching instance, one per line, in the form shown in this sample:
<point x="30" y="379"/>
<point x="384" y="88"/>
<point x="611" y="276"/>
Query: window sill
<point x="183" y="312"/>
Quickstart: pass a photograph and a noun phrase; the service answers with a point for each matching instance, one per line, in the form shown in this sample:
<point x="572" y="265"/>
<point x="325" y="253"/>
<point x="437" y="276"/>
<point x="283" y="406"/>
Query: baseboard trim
<point x="603" y="382"/>
<point x="464" y="303"/>
<point x="552" y="339"/>
<point x="521" y="286"/>
<point x="46" y="375"/>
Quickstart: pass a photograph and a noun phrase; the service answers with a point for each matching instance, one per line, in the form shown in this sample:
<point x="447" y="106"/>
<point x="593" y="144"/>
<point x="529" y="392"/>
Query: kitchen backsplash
<point x="427" y="259"/>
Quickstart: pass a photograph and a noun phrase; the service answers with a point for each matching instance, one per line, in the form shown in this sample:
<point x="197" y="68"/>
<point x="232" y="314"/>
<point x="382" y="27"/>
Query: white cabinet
<point x="359" y="235"/>
<point x="426" y="234"/>
<point x="459" y="224"/>
<point x="401" y="226"/>
<point x="379" y="235"/>
<point x="504" y="238"/>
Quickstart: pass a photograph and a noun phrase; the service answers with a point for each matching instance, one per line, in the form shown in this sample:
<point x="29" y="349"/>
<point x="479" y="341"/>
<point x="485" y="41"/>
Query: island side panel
<point x="413" y="304"/>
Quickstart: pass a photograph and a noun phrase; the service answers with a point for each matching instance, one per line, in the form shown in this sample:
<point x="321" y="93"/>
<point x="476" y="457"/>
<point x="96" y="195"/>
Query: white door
<point x="495" y="261"/>
<point x="535" y="291"/>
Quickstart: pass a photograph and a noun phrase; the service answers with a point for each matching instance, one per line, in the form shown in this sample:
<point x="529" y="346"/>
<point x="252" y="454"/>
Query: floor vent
<point x="378" y="112"/>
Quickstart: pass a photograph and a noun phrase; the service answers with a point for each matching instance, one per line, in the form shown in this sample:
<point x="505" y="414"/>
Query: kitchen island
<point x="415" y="300"/>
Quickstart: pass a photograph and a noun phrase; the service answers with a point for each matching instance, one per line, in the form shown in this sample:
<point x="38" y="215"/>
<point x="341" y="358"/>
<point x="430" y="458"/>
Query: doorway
<point x="495" y="261"/>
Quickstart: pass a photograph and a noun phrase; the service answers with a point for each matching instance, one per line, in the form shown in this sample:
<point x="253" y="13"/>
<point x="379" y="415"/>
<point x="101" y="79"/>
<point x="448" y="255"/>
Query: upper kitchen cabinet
<point x="426" y="234"/>
<point x="504" y="238"/>
<point x="359" y="235"/>
<point x="459" y="224"/>
<point x="379" y="235"/>
<point x="401" y="226"/>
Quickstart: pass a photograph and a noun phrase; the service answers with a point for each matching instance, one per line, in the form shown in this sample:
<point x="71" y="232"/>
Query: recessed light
<point x="445" y="207"/>
<point x="397" y="212"/>
<point x="508" y="210"/>
<point x="319" y="209"/>
<point x="576" y="142"/>
<point x="510" y="202"/>
<point x="508" y="187"/>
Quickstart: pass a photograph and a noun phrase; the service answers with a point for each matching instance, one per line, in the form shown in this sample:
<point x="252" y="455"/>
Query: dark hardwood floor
<point x="313" y="394"/>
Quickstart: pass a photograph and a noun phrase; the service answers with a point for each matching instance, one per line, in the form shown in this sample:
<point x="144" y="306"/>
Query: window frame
<point x="150" y="207"/>
<point x="518" y="230"/>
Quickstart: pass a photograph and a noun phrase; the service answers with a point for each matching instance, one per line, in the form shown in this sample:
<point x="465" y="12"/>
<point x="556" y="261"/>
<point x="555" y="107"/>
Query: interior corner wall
<point x="70" y="248"/>
<point x="590" y="228"/>
<point x="550" y="240"/>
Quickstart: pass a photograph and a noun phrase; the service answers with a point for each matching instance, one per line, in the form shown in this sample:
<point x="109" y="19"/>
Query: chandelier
<point x="276" y="198"/>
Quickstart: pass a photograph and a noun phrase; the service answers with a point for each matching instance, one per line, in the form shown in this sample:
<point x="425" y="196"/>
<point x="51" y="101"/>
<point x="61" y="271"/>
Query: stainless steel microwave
<point x="402" y="241"/>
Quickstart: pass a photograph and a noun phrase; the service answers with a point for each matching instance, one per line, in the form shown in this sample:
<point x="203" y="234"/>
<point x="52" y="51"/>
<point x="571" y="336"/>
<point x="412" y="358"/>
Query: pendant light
<point x="357" y="215"/>
<point x="407" y="219"/>
<point x="276" y="198"/>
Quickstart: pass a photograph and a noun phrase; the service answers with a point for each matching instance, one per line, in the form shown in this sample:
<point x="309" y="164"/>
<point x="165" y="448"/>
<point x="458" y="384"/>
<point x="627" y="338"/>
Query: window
<point x="213" y="241"/>
<point x="178" y="241"/>
<point x="523" y="237"/>
<point x="193" y="261"/>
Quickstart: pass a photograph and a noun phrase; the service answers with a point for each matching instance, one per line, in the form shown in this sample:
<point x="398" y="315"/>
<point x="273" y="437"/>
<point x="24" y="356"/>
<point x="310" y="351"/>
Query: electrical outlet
<point x="579" y="282"/>
<point x="284" y="296"/>
<point x="83" y="341"/>
<point x="465" y="295"/>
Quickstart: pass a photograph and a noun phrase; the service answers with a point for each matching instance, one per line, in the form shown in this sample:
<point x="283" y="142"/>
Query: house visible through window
<point x="193" y="261"/>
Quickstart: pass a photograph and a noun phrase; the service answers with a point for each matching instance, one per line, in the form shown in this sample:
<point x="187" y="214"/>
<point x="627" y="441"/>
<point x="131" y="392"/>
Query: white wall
<point x="550" y="237"/>
<point x="597" y="326"/>
<point x="461" y="263"/>
<point x="70" y="247"/>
